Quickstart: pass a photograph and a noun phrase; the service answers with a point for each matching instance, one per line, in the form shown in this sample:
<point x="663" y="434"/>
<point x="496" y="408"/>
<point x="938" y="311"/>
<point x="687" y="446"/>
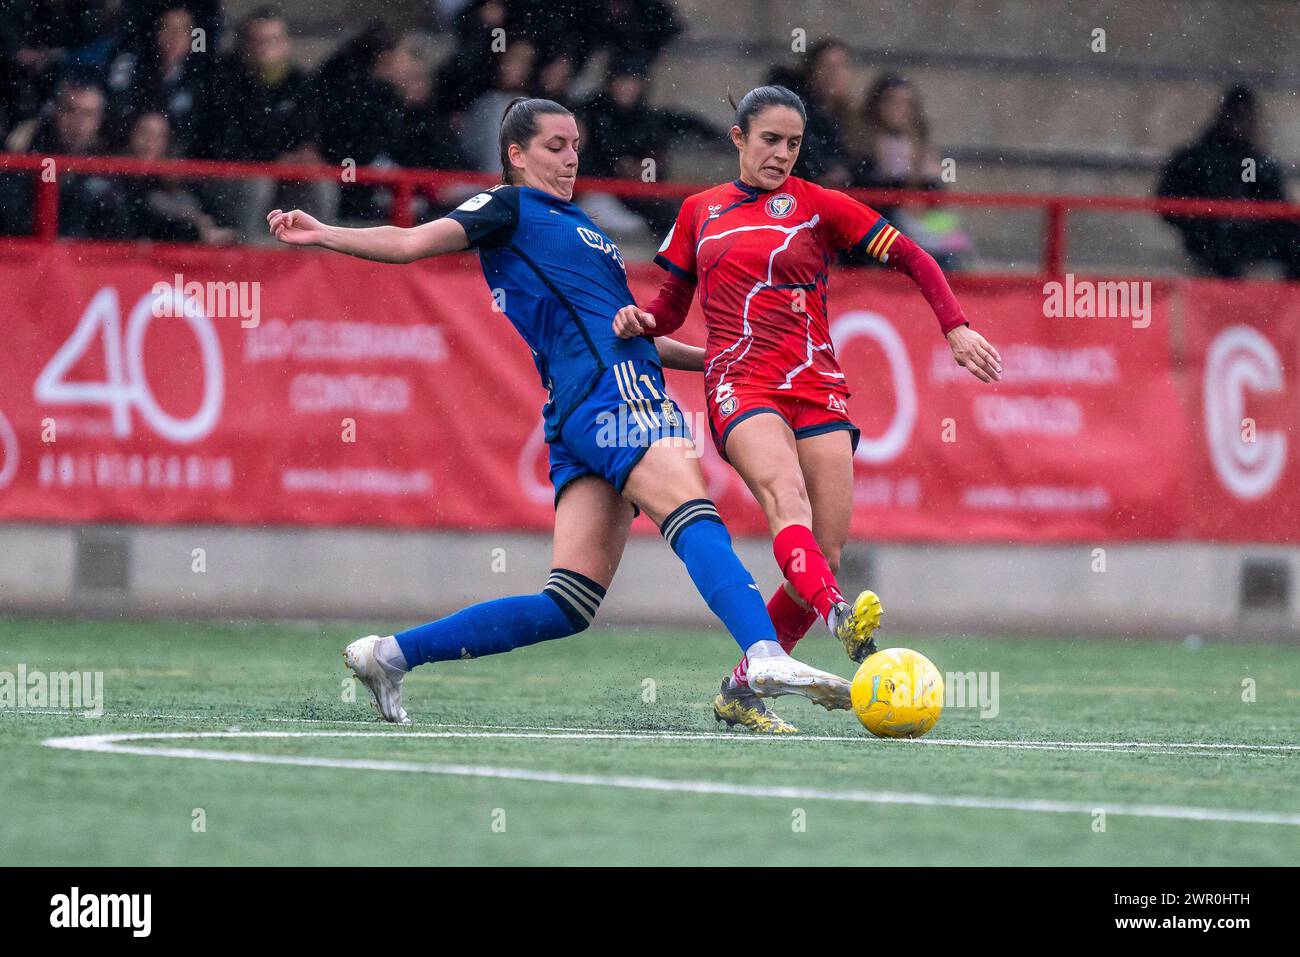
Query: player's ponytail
<point x="760" y="98"/>
<point x="519" y="126"/>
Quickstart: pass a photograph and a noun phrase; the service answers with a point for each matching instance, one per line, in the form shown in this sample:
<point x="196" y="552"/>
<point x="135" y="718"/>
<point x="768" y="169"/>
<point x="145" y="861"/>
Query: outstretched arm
<point x="972" y="351"/>
<point x="661" y="317"/>
<point x="385" y="244"/>
<point x="678" y="355"/>
<point x="858" y="226"/>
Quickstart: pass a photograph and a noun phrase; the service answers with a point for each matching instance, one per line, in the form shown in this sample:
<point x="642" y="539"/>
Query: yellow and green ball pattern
<point x="898" y="693"/>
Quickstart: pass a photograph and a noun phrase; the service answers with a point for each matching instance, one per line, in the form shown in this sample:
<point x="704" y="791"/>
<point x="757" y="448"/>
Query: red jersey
<point x="761" y="260"/>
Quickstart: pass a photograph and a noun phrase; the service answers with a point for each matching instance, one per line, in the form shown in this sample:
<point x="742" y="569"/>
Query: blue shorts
<point x="626" y="411"/>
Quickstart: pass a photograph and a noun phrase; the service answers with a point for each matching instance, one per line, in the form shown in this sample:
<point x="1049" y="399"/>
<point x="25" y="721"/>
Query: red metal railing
<point x="406" y="182"/>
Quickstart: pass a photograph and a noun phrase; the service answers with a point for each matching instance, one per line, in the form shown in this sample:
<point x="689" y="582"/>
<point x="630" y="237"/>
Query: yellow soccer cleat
<point x="855" y="626"/>
<point x="741" y="706"/>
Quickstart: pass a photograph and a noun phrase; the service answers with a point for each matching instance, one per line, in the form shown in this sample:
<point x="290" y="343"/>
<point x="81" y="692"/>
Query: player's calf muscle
<point x="784" y="501"/>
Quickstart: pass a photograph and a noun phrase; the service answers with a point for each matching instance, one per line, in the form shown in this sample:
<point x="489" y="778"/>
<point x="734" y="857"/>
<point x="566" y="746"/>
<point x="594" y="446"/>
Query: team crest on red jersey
<point x="780" y="206"/>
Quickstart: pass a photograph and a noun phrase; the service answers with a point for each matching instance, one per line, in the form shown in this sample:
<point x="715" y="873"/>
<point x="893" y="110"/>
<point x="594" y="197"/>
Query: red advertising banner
<point x="296" y="387"/>
<point x="1243" y="400"/>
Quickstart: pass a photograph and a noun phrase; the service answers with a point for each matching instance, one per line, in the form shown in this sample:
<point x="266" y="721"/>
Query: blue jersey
<point x="559" y="280"/>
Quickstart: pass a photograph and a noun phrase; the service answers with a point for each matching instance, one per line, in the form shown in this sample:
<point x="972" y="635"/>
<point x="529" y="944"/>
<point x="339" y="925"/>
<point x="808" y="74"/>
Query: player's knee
<point x="577" y="596"/>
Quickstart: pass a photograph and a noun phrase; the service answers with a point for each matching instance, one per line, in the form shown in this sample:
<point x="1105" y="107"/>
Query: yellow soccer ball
<point x="898" y="693"/>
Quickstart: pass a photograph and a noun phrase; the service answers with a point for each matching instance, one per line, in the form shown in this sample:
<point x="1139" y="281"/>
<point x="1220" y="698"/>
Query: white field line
<point x="1201" y="749"/>
<point x="116" y="744"/>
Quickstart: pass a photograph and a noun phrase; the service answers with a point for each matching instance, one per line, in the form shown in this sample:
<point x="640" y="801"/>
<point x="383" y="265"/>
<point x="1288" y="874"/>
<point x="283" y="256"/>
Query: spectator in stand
<point x="360" y="111"/>
<point x="555" y="81"/>
<point x="560" y="43"/>
<point x="571" y="31"/>
<point x="376" y="109"/>
<point x="890" y="142"/>
<point x="45" y="39"/>
<point x="158" y="207"/>
<point x="168" y="76"/>
<point x="423" y="142"/>
<point x="623" y="132"/>
<point x="483" y="119"/>
<point x="470" y="70"/>
<point x="825" y="87"/>
<point x="564" y="39"/>
<point x="91" y="206"/>
<point x="262" y="109"/>
<point x="635" y="32"/>
<point x="139" y="17"/>
<point x="632" y="32"/>
<point x="1228" y="162"/>
<point x="889" y="145"/>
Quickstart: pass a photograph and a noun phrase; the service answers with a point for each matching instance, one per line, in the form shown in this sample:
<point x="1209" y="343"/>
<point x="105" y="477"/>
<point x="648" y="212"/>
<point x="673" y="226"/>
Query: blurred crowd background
<point x="424" y="85"/>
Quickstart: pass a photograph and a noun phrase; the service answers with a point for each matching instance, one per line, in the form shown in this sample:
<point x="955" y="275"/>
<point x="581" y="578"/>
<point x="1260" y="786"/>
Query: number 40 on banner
<point x="126" y="382"/>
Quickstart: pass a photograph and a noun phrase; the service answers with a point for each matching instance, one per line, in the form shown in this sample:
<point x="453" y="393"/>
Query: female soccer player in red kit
<point x="759" y="250"/>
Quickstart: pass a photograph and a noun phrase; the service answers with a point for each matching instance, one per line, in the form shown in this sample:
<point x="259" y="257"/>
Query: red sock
<point x="791" y="621"/>
<point x="804" y="567"/>
<point x="790" y="618"/>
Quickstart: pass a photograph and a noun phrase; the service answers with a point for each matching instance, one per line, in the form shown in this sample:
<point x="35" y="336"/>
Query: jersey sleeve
<point x="677" y="254"/>
<point x="490" y="218"/>
<point x="855" y="226"/>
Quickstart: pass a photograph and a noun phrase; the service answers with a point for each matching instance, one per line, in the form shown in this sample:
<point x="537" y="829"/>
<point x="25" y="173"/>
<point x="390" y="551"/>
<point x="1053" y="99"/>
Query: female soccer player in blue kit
<point x="563" y="282"/>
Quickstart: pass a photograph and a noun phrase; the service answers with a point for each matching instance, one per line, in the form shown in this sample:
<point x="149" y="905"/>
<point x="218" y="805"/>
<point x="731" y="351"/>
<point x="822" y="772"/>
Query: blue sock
<point x="695" y="532"/>
<point x="564" y="607"/>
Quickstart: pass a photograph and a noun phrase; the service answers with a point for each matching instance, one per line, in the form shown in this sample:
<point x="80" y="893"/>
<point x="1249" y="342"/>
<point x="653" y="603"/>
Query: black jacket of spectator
<point x="426" y="141"/>
<point x="1217" y="166"/>
<point x="616" y="134"/>
<point x="1213" y="167"/>
<point x="365" y="119"/>
<point x="634" y="31"/>
<point x="149" y="213"/>
<point x="138" y="84"/>
<point x="823" y="147"/>
<point x="360" y="118"/>
<point x="247" y="119"/>
<point x="91" y="206"/>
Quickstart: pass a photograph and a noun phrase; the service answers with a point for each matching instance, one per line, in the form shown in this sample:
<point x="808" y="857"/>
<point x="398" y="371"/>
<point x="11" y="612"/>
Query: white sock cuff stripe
<point x="579" y="586"/>
<point x="696" y="510"/>
<point x="579" y="594"/>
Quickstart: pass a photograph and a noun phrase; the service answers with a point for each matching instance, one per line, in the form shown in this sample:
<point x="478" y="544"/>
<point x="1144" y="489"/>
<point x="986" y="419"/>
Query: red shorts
<point x="806" y="411"/>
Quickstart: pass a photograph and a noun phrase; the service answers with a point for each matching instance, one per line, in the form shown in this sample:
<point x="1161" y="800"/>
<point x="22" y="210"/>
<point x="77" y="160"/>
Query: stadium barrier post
<point x="403" y="194"/>
<point x="46" y="225"/>
<point x="1054" y="240"/>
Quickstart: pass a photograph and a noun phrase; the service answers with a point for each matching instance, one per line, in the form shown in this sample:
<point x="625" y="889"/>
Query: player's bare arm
<point x="679" y="355"/>
<point x="385" y="244"/>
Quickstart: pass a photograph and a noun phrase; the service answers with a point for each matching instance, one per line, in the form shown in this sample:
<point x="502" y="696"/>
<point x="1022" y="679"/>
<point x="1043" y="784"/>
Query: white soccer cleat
<point x="782" y="674"/>
<point x="385" y="686"/>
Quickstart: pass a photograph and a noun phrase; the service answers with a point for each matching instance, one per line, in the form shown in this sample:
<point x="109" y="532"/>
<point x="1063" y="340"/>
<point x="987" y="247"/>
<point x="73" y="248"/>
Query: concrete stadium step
<point x="977" y="107"/>
<point x="1144" y="35"/>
